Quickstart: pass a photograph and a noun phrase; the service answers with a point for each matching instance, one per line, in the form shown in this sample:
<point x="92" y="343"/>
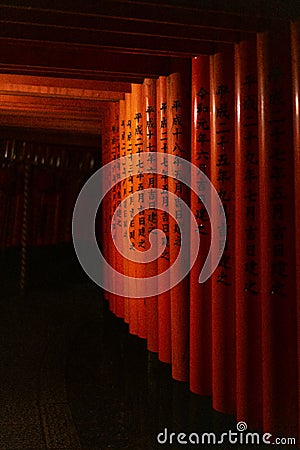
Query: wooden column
<point x="223" y="279"/>
<point x="247" y="237"/>
<point x="200" y="294"/>
<point x="164" y="306"/>
<point x="277" y="219"/>
<point x="178" y="145"/>
<point x="149" y="93"/>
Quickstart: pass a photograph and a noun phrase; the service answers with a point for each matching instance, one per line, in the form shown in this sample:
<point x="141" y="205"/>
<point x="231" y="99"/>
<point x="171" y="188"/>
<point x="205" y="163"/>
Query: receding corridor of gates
<point x="183" y="118"/>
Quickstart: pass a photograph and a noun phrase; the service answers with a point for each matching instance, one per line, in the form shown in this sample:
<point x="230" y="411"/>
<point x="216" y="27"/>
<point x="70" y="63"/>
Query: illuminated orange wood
<point x="118" y="263"/>
<point x="149" y="180"/>
<point x="200" y="294"/>
<point x="164" y="306"/>
<point x="47" y="122"/>
<point x="126" y="189"/>
<point x="139" y="133"/>
<point x="137" y="313"/>
<point x="122" y="193"/>
<point x="56" y="85"/>
<point x="223" y="279"/>
<point x="178" y="144"/>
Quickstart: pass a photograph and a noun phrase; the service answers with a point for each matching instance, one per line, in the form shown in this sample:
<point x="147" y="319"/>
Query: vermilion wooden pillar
<point x="295" y="38"/>
<point x="110" y="208"/>
<point x="106" y="200"/>
<point x="117" y="200"/>
<point x="111" y="296"/>
<point x="137" y="305"/>
<point x="122" y="192"/>
<point x="139" y="119"/>
<point x="200" y="294"/>
<point x="178" y="145"/>
<point x="113" y="195"/>
<point x="223" y="279"/>
<point x="247" y="243"/>
<point x="277" y="218"/>
<point x="126" y="189"/>
<point x="164" y="306"/>
<point x="150" y="223"/>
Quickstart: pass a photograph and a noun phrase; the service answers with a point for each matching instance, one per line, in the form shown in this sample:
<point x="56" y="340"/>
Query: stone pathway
<point x="36" y="331"/>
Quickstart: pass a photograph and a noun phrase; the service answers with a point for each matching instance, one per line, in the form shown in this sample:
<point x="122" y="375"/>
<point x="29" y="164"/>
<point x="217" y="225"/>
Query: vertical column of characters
<point x="200" y="294"/>
<point x="222" y="176"/>
<point x="122" y="190"/>
<point x="117" y="229"/>
<point x="127" y="189"/>
<point x="277" y="217"/>
<point x="113" y="205"/>
<point x="110" y="155"/>
<point x="247" y="286"/>
<point x="105" y="204"/>
<point x="136" y="305"/>
<point x="149" y="221"/>
<point x="178" y="145"/>
<point x="163" y="263"/>
<point x="133" y="303"/>
<point x="139" y="186"/>
<point x="108" y="203"/>
<point x="295" y="39"/>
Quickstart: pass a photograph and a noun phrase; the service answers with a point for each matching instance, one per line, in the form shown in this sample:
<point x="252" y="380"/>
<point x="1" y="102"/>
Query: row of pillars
<point x="39" y="184"/>
<point x="234" y="115"/>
